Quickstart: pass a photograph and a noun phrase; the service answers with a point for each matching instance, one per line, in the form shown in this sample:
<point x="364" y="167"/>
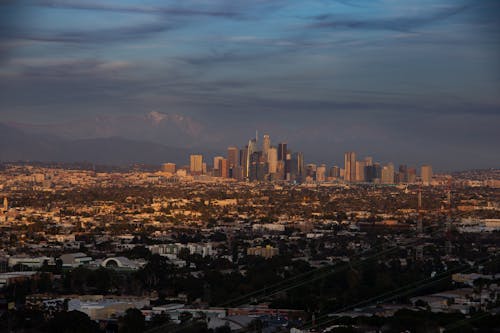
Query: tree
<point x="132" y="322"/>
<point x="72" y="322"/>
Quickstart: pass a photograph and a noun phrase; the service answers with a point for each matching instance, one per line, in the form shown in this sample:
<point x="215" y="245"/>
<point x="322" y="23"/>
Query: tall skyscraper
<point x="252" y="148"/>
<point x="321" y="173"/>
<point x="426" y="174"/>
<point x="335" y="172"/>
<point x="282" y="150"/>
<point x="360" y="171"/>
<point x="232" y="156"/>
<point x="297" y="167"/>
<point x="223" y="168"/>
<point x="388" y="174"/>
<point x="216" y="162"/>
<point x="266" y="144"/>
<point x="196" y="164"/>
<point x="272" y="159"/>
<point x="350" y="166"/>
<point x="368" y="160"/>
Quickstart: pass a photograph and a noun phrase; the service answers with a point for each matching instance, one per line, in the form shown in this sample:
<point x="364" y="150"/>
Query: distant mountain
<point x="158" y="127"/>
<point x="17" y="145"/>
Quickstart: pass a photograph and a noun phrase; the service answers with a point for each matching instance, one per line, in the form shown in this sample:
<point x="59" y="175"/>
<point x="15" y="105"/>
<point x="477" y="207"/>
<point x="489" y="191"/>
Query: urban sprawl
<point x="257" y="242"/>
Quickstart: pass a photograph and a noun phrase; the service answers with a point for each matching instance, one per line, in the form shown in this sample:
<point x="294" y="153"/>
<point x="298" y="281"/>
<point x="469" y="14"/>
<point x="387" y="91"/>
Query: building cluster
<point x="261" y="161"/>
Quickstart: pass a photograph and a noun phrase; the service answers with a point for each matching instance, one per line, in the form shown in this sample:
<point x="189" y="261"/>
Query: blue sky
<point x="407" y="80"/>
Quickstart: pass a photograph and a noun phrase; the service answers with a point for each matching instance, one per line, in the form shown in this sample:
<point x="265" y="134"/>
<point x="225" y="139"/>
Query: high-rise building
<point x="257" y="170"/>
<point x="297" y="167"/>
<point x="368" y="160"/>
<point x="252" y="148"/>
<point x="388" y="174"/>
<point x="196" y="164"/>
<point x="426" y="174"/>
<point x="232" y="156"/>
<point x="335" y="172"/>
<point x="272" y="159"/>
<point x="403" y="173"/>
<point x="350" y="166"/>
<point x="321" y="173"/>
<point x="216" y="162"/>
<point x="266" y="144"/>
<point x="5" y="204"/>
<point x="412" y="175"/>
<point x="360" y="171"/>
<point x="223" y="168"/>
<point x="169" y="167"/>
<point x="282" y="151"/>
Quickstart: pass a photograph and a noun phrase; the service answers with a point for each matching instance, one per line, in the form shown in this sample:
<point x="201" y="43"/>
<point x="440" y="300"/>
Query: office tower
<point x="311" y="170"/>
<point x="412" y="175"/>
<point x="216" y="162"/>
<point x="280" y="170"/>
<point x="168" y="167"/>
<point x="257" y="170"/>
<point x="426" y="174"/>
<point x="403" y="173"/>
<point x="321" y="173"/>
<point x="272" y="159"/>
<point x="368" y="160"/>
<point x="266" y="144"/>
<point x="282" y="151"/>
<point x="388" y="174"/>
<point x="335" y="172"/>
<point x="223" y="168"/>
<point x="196" y="164"/>
<point x="296" y="167"/>
<point x="232" y="156"/>
<point x="232" y="160"/>
<point x="288" y="166"/>
<point x="373" y="173"/>
<point x="350" y="166"/>
<point x="243" y="157"/>
<point x="360" y="171"/>
<point x="252" y="148"/>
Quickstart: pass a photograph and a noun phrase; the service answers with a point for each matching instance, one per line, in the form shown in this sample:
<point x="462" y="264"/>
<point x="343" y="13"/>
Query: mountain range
<point x="105" y="140"/>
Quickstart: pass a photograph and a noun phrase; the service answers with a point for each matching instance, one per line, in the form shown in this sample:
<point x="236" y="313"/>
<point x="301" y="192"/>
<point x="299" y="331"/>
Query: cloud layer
<point x="411" y="81"/>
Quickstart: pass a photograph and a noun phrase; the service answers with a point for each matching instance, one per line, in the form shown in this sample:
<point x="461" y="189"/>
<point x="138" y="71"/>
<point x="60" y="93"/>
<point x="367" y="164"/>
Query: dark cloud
<point x="167" y="11"/>
<point x="401" y="24"/>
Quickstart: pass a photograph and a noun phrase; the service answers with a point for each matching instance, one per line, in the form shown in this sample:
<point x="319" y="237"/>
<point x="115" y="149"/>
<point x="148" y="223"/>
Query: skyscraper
<point x="216" y="162"/>
<point x="350" y="166"/>
<point x="360" y="171"/>
<point x="252" y="148"/>
<point x="223" y="168"/>
<point x="388" y="174"/>
<point x="297" y="167"/>
<point x="321" y="173"/>
<point x="196" y="164"/>
<point x="266" y="144"/>
<point x="282" y="150"/>
<point x="426" y="174"/>
<point x="232" y="156"/>
<point x="335" y="172"/>
<point x="272" y="159"/>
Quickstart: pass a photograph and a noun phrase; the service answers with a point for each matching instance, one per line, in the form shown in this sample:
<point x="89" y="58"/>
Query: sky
<point x="407" y="81"/>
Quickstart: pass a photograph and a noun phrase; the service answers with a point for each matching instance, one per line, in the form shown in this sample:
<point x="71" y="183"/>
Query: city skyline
<point x="418" y="79"/>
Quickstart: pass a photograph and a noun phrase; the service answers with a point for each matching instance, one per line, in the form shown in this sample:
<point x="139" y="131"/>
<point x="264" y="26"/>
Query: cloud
<point x="399" y="23"/>
<point x="61" y="67"/>
<point x="140" y="9"/>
